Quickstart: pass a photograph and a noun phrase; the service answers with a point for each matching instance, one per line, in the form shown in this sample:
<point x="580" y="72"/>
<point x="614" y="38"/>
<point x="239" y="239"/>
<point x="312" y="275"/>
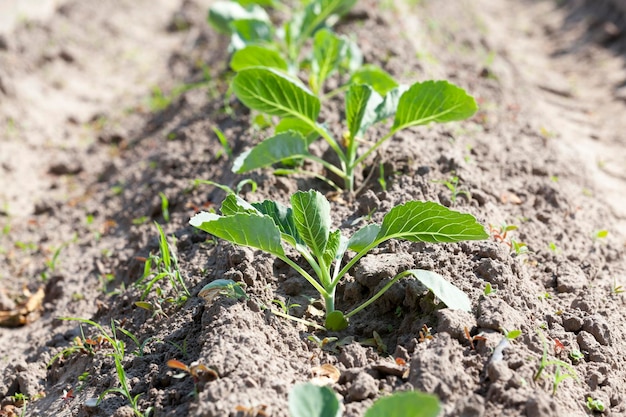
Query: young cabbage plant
<point x="306" y="227"/>
<point x="256" y="42"/>
<point x="249" y="24"/>
<point x="372" y="97"/>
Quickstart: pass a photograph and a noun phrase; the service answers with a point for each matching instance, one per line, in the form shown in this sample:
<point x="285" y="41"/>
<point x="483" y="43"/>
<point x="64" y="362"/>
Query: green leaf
<point x="361" y="104"/>
<point x="316" y="15"/>
<point x="336" y="321"/>
<point x="332" y="247"/>
<point x="419" y="221"/>
<point x="375" y="77"/>
<point x="449" y="294"/>
<point x="233" y="204"/>
<point x="283" y="217"/>
<point x="257" y="56"/>
<point x="288" y="145"/>
<point x="433" y="101"/>
<point x="352" y="57"/>
<point x="308" y="400"/>
<point x="269" y="91"/>
<point x="390" y="103"/>
<point x="226" y="287"/>
<point x="249" y="32"/>
<point x="297" y="125"/>
<point x="311" y="213"/>
<point x="223" y="13"/>
<point x="363" y="237"/>
<point x="327" y="55"/>
<point x="245" y="229"/>
<point x="405" y="404"/>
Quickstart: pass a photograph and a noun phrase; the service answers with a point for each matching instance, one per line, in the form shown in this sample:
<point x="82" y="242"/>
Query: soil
<point x="104" y="105"/>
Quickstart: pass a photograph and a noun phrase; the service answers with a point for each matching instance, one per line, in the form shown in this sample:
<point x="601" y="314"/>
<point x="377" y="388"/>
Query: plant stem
<point x="379" y="293"/>
<point x="373" y="148"/>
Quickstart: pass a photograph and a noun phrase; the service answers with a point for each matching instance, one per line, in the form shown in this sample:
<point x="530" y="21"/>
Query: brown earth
<point x="87" y="144"/>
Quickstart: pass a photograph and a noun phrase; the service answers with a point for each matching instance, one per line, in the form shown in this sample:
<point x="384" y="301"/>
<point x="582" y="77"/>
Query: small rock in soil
<point x="570" y="278"/>
<point x="353" y="356"/>
<point x="541" y="406"/>
<point x="599" y="328"/>
<point x="364" y="386"/>
<point x="65" y="168"/>
<point x="493" y="272"/>
<point x="473" y="406"/>
<point x="587" y="342"/>
<point x="572" y="322"/>
<point x="454" y="322"/>
<point x="496" y="314"/>
<point x="498" y="371"/>
<point x="124" y="411"/>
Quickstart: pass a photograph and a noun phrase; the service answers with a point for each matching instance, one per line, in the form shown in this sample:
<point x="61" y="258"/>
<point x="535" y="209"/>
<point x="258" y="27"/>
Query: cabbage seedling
<point x="371" y="98"/>
<point x="306" y="227"/>
<point x="256" y="41"/>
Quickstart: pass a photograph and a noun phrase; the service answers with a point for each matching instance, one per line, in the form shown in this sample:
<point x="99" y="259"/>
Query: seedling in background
<point x="371" y="101"/>
<point x="224" y="142"/>
<point x="552" y="246"/>
<point x="308" y="400"/>
<point x="285" y="307"/>
<point x="165" y="207"/>
<point x="500" y="234"/>
<point x="617" y="288"/>
<point x="558" y="364"/>
<point x="595" y="405"/>
<point x="321" y="343"/>
<point x="601" y="234"/>
<point x="255" y="40"/>
<point x="306" y="228"/>
<point x="118" y="354"/>
<point x="576" y="355"/>
<point x="455" y="191"/>
<point x="199" y="372"/>
<point x="163" y="266"/>
<point x="511" y="335"/>
<point x="488" y="289"/>
<point x="377" y="342"/>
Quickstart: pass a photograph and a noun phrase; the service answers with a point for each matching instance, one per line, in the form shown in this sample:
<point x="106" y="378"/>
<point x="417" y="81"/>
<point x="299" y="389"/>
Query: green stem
<point x="354" y="260"/>
<point x="331" y="141"/>
<point x="327" y="165"/>
<point x="329" y="302"/>
<point x="373" y="148"/>
<point x="334" y="92"/>
<point x="379" y="293"/>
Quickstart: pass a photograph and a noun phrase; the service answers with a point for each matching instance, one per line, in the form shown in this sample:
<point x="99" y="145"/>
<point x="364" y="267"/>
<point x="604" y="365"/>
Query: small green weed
<point x="559" y="365"/>
<point x="595" y="405"/>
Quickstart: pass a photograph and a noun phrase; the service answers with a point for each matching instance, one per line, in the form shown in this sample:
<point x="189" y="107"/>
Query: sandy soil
<point x="96" y="121"/>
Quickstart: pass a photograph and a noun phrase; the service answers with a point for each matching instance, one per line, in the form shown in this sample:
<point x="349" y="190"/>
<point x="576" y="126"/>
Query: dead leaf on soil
<point x="325" y="374"/>
<point x="393" y="368"/>
<point x="26" y="312"/>
<point x="258" y="411"/>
